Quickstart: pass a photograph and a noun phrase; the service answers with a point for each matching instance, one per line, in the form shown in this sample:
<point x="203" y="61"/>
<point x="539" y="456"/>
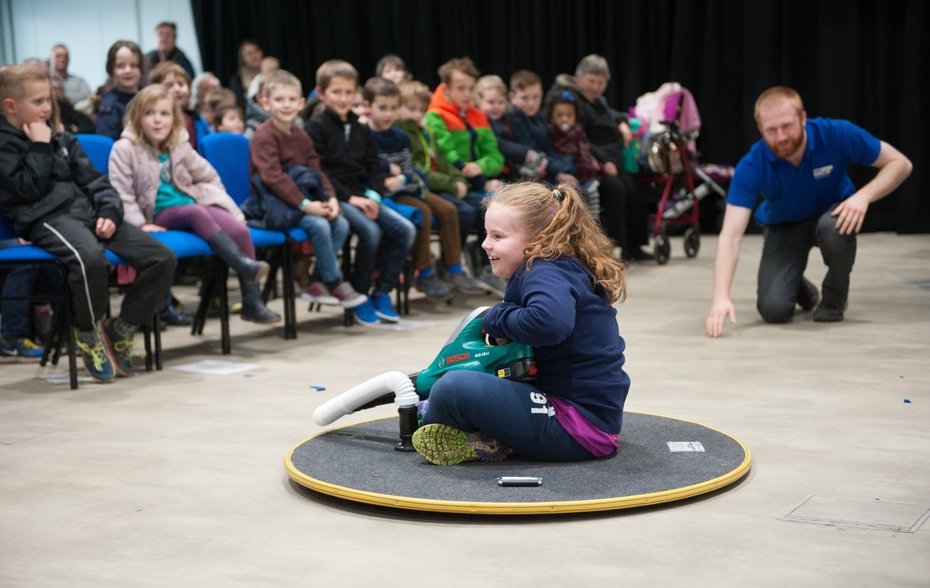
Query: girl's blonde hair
<point x="144" y="100"/>
<point x="562" y="226"/>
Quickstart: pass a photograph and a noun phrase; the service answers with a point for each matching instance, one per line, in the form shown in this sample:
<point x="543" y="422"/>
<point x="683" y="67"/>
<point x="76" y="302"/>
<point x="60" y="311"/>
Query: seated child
<point x="255" y="114"/>
<point x="408" y="186"/>
<point x="520" y="161"/>
<point x="282" y="153"/>
<point x="563" y="281"/>
<point x="174" y="77"/>
<point x="269" y="65"/>
<point x="214" y="101"/>
<point x="165" y="184"/>
<point x="348" y="156"/>
<point x="392" y="67"/>
<point x="570" y="140"/>
<point x="530" y="129"/>
<point x="61" y="203"/>
<point x="228" y="119"/>
<point x="201" y="87"/>
<point x="467" y="141"/>
<point x="124" y="68"/>
<point x="462" y="131"/>
<point x="360" y="108"/>
<point x="21" y="335"/>
<point x="443" y="178"/>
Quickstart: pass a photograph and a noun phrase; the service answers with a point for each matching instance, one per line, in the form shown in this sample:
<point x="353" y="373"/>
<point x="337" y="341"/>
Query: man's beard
<point x="787" y="148"/>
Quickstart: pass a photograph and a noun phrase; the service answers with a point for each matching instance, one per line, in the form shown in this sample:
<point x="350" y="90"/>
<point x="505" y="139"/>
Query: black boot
<point x="245" y="267"/>
<point x="253" y="307"/>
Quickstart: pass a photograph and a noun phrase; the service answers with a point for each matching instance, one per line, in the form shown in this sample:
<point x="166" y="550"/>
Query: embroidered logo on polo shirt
<point x="822" y="172"/>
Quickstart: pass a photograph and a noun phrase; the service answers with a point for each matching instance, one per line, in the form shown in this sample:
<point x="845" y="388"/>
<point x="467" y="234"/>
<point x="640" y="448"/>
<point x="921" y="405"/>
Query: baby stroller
<point x="669" y="156"/>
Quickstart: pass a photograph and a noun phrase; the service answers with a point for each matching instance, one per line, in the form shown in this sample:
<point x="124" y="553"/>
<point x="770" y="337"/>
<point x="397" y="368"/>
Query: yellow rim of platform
<point x="519" y="508"/>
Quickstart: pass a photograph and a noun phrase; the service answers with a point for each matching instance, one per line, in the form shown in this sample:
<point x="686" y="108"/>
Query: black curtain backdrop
<point x="853" y="59"/>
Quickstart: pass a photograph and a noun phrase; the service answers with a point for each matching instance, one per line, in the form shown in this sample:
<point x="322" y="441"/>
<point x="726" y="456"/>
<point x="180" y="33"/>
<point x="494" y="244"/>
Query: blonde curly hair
<point x="562" y="226"/>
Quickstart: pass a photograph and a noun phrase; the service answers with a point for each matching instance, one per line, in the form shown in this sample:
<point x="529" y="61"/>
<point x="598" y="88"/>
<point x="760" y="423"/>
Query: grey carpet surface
<point x="362" y="458"/>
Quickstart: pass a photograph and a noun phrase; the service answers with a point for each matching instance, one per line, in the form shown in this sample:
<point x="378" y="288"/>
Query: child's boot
<point x="245" y="267"/>
<point x="253" y="307"/>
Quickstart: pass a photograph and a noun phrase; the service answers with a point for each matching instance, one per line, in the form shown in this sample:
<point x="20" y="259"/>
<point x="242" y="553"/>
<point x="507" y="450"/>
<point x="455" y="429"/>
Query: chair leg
<point x="61" y="329"/>
<point x="206" y="297"/>
<point x="225" y="343"/>
<point x="287" y="292"/>
<point x="72" y="355"/>
<point x="156" y="327"/>
<point x="53" y="340"/>
<point x="147" y="340"/>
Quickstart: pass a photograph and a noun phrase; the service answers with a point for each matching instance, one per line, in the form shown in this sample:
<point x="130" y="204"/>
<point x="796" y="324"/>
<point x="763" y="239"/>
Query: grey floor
<point x="177" y="479"/>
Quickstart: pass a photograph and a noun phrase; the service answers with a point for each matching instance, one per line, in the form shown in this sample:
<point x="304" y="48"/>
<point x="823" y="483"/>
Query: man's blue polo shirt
<point x="795" y="194"/>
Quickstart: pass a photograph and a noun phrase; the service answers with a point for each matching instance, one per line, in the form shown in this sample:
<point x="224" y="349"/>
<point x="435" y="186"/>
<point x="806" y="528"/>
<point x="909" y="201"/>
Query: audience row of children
<point x="454" y="129"/>
<point x="163" y="183"/>
<point x="571" y="135"/>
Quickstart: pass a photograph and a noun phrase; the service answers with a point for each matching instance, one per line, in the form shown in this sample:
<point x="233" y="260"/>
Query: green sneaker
<point x="119" y="337"/>
<point x="445" y="445"/>
<point x="96" y="357"/>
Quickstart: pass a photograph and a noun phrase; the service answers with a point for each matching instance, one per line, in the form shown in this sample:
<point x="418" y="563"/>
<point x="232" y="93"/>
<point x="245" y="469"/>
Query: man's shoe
<point x="433" y="288"/>
<point x="22" y="347"/>
<point x="383" y="307"/>
<point x="347" y="297"/>
<point x="318" y="293"/>
<point x="119" y="337"/>
<point x="464" y="284"/>
<point x="174" y="317"/>
<point x="808" y="296"/>
<point x="96" y="357"/>
<point x="827" y="314"/>
<point x="364" y="314"/>
<point x="445" y="445"/>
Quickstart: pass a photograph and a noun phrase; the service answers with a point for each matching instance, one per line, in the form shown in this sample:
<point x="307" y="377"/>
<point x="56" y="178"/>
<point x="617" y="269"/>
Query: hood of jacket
<point x="455" y="117"/>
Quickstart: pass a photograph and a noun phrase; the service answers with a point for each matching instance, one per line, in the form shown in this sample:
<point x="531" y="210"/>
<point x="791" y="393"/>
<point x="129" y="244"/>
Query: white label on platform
<point x="685" y="446"/>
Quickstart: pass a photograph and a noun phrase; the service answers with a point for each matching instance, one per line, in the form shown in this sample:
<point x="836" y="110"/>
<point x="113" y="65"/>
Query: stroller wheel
<point x="692" y="241"/>
<point x="662" y="249"/>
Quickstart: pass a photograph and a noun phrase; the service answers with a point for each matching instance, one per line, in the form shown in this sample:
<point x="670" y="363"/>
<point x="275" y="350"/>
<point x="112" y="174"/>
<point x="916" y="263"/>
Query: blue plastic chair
<point x="97" y="148"/>
<point x="228" y="153"/>
<point x="12" y="254"/>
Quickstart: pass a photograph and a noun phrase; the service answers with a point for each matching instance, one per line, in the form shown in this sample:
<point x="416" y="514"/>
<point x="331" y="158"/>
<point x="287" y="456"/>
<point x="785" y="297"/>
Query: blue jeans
<point x="23" y="281"/>
<point x="393" y="233"/>
<point x="784" y="258"/>
<point x="515" y="413"/>
<point x="327" y="238"/>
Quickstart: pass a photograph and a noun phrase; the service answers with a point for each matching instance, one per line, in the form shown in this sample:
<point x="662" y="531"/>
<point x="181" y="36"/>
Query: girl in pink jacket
<point x="165" y="184"/>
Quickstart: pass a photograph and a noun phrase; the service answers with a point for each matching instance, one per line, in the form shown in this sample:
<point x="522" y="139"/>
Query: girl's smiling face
<point x="506" y="240"/>
<point x="127" y="71"/>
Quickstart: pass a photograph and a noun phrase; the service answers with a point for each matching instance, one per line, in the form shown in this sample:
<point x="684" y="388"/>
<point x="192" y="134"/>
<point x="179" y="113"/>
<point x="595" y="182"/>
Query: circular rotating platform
<point x="660" y="459"/>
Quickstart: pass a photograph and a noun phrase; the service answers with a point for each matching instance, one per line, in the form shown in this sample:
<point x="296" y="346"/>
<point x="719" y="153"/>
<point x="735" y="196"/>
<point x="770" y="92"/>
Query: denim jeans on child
<point x="393" y="233"/>
<point x="328" y="237"/>
<point x="23" y="281"/>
